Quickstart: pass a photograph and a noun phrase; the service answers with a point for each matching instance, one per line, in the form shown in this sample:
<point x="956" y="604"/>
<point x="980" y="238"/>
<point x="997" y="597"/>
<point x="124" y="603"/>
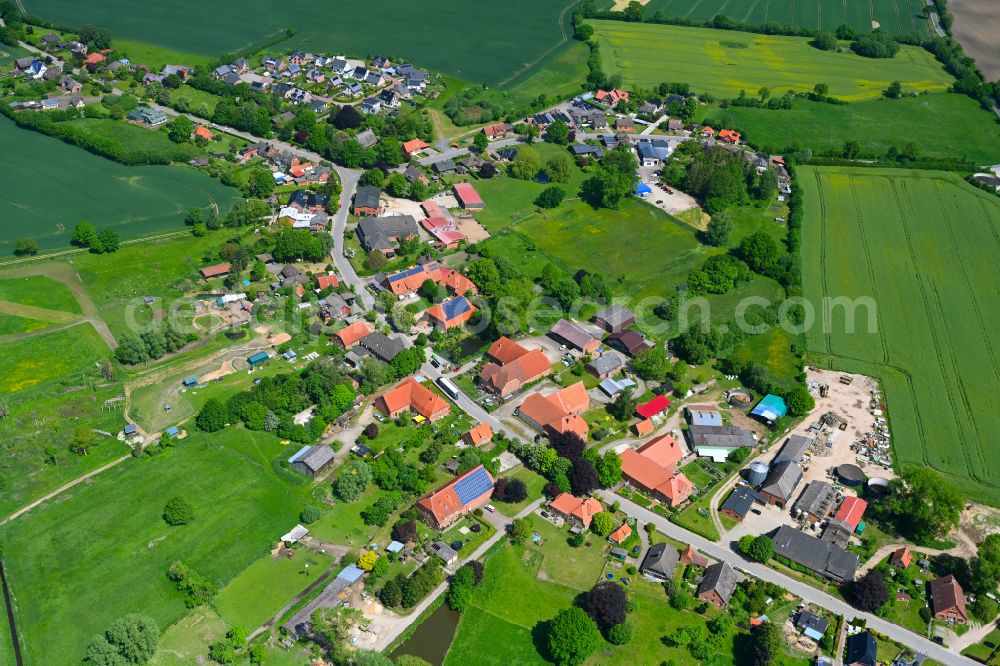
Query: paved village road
<point x="810" y="594"/>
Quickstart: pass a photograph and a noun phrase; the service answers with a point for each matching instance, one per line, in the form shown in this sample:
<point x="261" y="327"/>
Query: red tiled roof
<point x="467" y="194"/>
<point x="946" y="595"/>
<point x="444" y="503"/>
<point x="558" y="411"/>
<point x="204" y="132"/>
<point x="479" y="435"/>
<point x="216" y="270"/>
<point x="851" y="511"/>
<point x="417" y="397"/>
<point x="324" y="281"/>
<point x="584" y="509"/>
<point x="620" y="534"/>
<point x="351" y="334"/>
<point x="414" y="146"/>
<point x="643" y="427"/>
<point x="653" y="407"/>
<point x="663" y="450"/>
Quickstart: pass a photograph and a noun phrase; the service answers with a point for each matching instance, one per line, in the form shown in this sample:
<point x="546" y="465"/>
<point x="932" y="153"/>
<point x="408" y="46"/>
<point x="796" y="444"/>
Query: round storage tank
<point x="758" y="472"/>
<point x="878" y="485"/>
<point x="850" y="475"/>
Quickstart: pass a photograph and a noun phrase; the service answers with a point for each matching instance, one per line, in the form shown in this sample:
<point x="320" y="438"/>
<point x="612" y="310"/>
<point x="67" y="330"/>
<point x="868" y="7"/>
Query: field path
<point x="63" y="488"/>
<point x="33" y="312"/>
<point x="71" y="278"/>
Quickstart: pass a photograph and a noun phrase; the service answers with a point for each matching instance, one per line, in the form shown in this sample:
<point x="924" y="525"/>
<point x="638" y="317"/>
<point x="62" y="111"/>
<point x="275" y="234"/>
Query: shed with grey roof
<point x="781" y="482"/>
<point x="826" y="559"/>
<point x="717" y="584"/>
<point x="614" y="318"/>
<point x="605" y="365"/>
<point x="718" y="442"/>
<point x="382" y="346"/>
<point x="816" y="500"/>
<point x="313" y="460"/>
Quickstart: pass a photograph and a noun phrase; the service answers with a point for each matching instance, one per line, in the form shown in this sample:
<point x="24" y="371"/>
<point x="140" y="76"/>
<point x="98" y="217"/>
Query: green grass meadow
<point x="50" y="186"/>
<point x="918" y="243"/>
<point x="941" y="124"/>
<point x="898" y="17"/>
<point x="725" y="62"/>
<point x="102" y="550"/>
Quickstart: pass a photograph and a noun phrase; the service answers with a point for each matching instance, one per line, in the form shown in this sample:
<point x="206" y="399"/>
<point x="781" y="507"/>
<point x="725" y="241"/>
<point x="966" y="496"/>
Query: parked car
<point x="491" y="508"/>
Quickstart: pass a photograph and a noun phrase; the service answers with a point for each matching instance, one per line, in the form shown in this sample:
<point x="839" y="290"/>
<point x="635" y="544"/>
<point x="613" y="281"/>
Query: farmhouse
<point x="826" y="559"/>
<point x="557" y="413"/>
<point x="407" y="281"/>
<point x="661" y="482"/>
<point x="611" y="97"/>
<point x="451" y="314"/>
<point x="862" y="650"/>
<point x="350" y="335"/>
<point x="467" y="197"/>
<point x="660" y="562"/>
<point x="444" y="231"/>
<point x="367" y="201"/>
<point x="948" y="600"/>
<point x="614" y="318"/>
<point x="717" y="584"/>
<point x="496" y="131"/>
<point x="512" y="366"/>
<point x="571" y="334"/>
<point x="901" y="558"/>
<point x="575" y="511"/>
<point x="415" y="397"/>
<point x="385" y="233"/>
<point x="717" y="442"/>
<point x="413" y="147"/>
<point x="457" y="498"/>
<point x="311" y="460"/>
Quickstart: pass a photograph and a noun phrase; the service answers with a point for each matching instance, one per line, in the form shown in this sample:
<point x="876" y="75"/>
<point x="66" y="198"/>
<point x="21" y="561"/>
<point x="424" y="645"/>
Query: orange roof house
<point x="350" y="335"/>
<point x="901" y="558"/>
<point x="203" y="132"/>
<point x="692" y="556"/>
<point x="557" y="413"/>
<point x="643" y="427"/>
<point x="479" y="435"/>
<point x="457" y="498"/>
<point x="611" y="97"/>
<point x="670" y="487"/>
<point x="574" y="510"/>
<point x="411" y="395"/>
<point x="620" y="534"/>
<point x="511" y="367"/>
<point x="452" y="313"/>
<point x="330" y="280"/>
<point x="663" y="450"/>
<point x="95" y="59"/>
<point x="729" y="136"/>
<point x="409" y="280"/>
<point x="497" y="131"/>
<point x="411" y="148"/>
<point x="707" y="131"/>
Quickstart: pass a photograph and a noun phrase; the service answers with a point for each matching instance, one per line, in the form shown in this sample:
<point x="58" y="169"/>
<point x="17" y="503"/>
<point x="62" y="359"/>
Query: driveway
<point x="674" y="201"/>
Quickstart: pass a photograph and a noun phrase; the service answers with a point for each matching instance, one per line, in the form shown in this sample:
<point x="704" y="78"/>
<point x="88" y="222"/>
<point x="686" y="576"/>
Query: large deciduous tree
<point x="573" y="636"/>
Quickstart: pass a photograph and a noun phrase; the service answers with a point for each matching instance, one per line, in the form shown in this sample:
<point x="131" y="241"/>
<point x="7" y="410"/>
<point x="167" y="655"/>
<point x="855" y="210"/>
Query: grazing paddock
<point x="920" y="244"/>
<point x="61" y="354"/>
<point x="897" y="17"/>
<point x="241" y="506"/>
<point x="962" y="128"/>
<point x="724" y="62"/>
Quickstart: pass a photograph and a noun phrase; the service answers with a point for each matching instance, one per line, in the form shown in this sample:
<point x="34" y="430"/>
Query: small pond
<point x="432" y="638"/>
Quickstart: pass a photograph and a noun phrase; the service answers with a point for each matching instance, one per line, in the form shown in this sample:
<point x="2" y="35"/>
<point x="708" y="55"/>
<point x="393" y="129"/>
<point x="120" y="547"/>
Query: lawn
<point x="343" y="524"/>
<point x="773" y="351"/>
<point x="961" y="128"/>
<point x="447" y="28"/>
<point x="200" y="102"/>
<point x="53" y="560"/>
<point x="133" y="139"/>
<point x="898" y="17"/>
<point x="691" y="518"/>
<point x="982" y="651"/>
<point x="137" y="201"/>
<point x="155" y="56"/>
<point x="917" y="244"/>
<point x="725" y="62"/>
<point x="262" y="589"/>
<point x="534" y="482"/>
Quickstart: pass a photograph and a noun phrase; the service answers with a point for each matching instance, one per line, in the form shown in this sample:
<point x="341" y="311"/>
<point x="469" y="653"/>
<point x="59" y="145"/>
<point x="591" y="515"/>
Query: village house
<point x="739" y="503"/>
<point x="575" y="511"/>
<point x="621" y="534"/>
<point x="367" y="201"/>
<point x="670" y="487"/>
<point x="901" y="558"/>
<point x="611" y="97"/>
<point x="948" y="600"/>
<point x="862" y="650"/>
<point x="218" y="270"/>
<point x="625" y="125"/>
<point x="385" y="233"/>
<point x="381" y="346"/>
<point x="496" y="131"/>
<point x="478" y="435"/>
<point x="511" y="367"/>
<point x="557" y="413"/>
<point x="605" y="365"/>
<point x="717" y="584"/>
<point x="659" y="562"/>
<point x="451" y="313"/>
<point x="350" y="335"/>
<point x="630" y="341"/>
<point x="414" y="147"/>
<point x="409" y="280"/>
<point x="459" y="497"/>
<point x="410" y="395"/>
<point x="652" y="408"/>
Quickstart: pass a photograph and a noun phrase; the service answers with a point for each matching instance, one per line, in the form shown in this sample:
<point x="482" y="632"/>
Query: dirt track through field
<point x="67" y="275"/>
<point x="41" y="314"/>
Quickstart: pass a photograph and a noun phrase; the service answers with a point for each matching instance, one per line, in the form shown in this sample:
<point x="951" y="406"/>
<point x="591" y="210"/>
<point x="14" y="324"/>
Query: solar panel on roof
<point x="406" y="273"/>
<point x="455" y="307"/>
<point x="473" y="486"/>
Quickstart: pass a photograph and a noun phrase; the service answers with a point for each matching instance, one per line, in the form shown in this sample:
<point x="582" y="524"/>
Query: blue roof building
<point x="642" y="189"/>
<point x="351" y="573"/>
<point x="258" y="358"/>
<point x="466" y="493"/>
<point x="770" y="408"/>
